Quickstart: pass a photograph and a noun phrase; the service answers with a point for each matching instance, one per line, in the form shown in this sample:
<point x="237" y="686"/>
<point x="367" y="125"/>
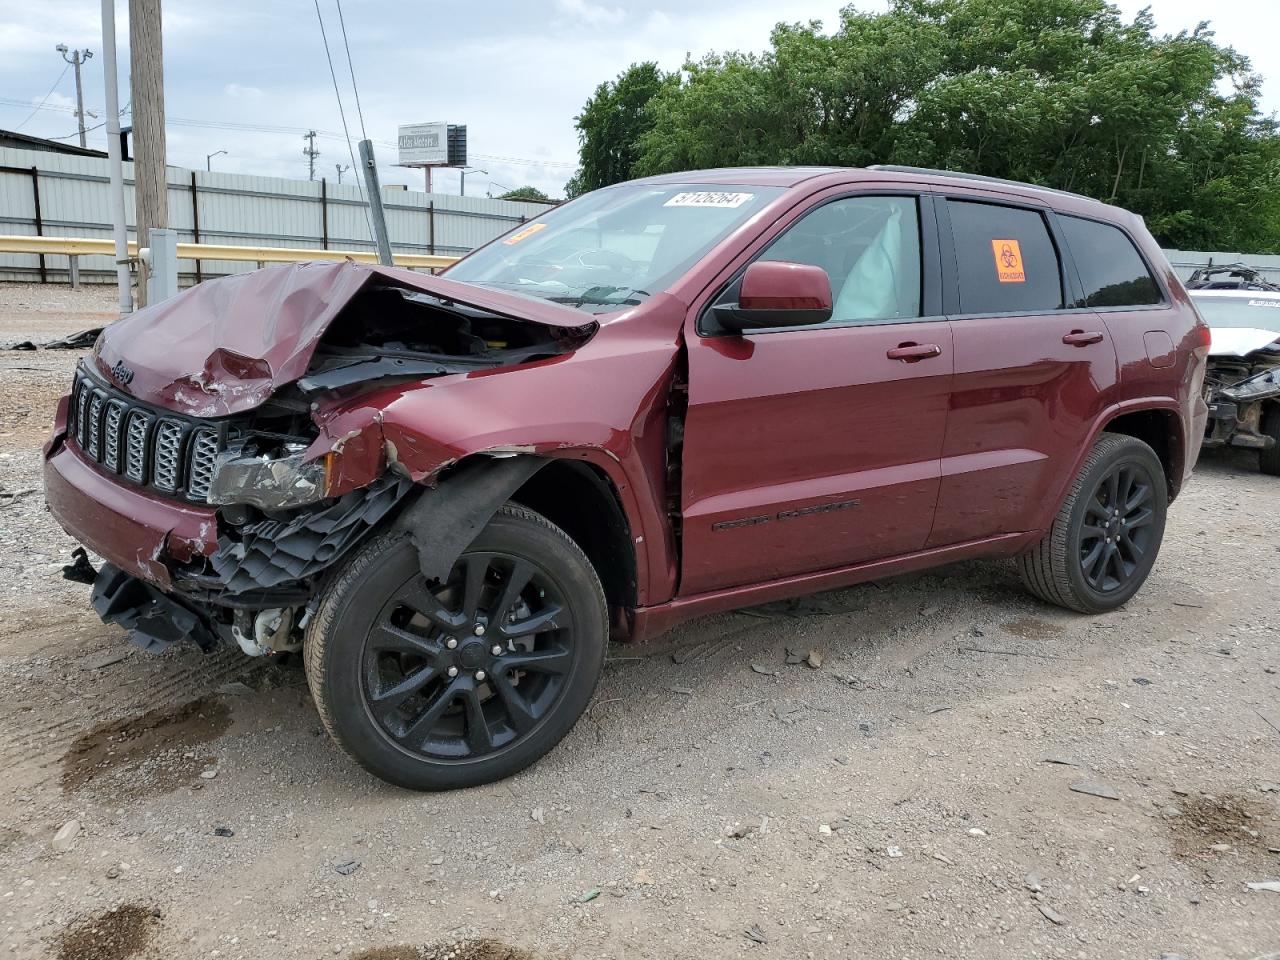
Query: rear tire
<point x="1269" y="460"/>
<point x="441" y="686"/>
<point x="1105" y="538"/>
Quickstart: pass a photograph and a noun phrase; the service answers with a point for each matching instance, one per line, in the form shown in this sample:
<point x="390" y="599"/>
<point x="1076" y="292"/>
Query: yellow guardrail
<point x="87" y="247"/>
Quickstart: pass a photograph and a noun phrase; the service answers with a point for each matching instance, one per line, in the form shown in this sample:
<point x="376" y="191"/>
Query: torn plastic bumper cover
<point x="154" y="620"/>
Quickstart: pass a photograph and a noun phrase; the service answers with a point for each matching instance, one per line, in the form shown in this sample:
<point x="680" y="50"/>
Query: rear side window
<point x="1112" y="272"/>
<point x="1006" y="259"/>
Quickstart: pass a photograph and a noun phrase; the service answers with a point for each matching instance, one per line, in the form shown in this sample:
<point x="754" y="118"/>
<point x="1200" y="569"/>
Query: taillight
<point x="1203" y="335"/>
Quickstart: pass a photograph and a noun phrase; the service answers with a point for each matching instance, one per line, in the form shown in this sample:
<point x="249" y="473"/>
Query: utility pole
<point x="146" y="56"/>
<point x="310" y="152"/>
<point x="77" y="58"/>
<point x="341" y="170"/>
<point x="111" y="92"/>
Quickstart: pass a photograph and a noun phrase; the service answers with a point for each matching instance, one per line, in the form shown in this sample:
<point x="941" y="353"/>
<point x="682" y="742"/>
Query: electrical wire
<point x="351" y="67"/>
<point x="45" y="100"/>
<point x="364" y="205"/>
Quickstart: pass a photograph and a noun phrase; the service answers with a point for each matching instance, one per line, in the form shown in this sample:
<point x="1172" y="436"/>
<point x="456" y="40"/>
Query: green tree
<point x="1064" y="93"/>
<point x="526" y="193"/>
<point x="611" y="125"/>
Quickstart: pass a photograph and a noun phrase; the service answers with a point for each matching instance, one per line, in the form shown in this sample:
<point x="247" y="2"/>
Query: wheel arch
<point x="1161" y="429"/>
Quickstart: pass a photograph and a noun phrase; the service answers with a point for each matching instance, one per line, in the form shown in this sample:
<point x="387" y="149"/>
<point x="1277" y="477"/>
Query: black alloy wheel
<point x="1118" y="527"/>
<point x="435" y="686"/>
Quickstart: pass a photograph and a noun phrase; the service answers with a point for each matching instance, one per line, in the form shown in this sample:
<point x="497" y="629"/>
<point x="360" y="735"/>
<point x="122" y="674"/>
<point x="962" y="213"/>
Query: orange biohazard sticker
<point x="1008" y="261"/>
<point x="524" y="234"/>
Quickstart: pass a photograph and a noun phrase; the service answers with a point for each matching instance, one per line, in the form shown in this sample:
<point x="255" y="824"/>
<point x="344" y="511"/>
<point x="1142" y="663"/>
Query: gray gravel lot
<point x="910" y="797"/>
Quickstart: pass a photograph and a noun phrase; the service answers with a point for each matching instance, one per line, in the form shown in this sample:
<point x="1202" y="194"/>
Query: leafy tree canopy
<point x="1063" y="93"/>
<point x="526" y="193"/>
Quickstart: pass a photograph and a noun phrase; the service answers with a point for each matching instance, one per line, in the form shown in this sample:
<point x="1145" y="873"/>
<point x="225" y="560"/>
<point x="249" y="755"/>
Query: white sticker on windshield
<point x="1274" y="304"/>
<point x="708" y="199"/>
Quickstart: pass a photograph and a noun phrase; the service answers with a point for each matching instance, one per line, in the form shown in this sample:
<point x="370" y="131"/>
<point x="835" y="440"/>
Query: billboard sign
<point x="424" y="144"/>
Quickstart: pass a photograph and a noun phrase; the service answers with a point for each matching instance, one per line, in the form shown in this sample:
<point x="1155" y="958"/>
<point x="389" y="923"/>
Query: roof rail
<point x="898" y="168"/>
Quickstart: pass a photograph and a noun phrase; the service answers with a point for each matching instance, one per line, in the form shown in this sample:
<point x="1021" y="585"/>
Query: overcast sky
<point x="515" y="71"/>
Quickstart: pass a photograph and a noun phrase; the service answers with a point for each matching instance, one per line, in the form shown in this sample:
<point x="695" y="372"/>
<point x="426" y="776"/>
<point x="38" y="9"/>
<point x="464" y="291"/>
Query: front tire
<point x="1269" y="459"/>
<point x="441" y="686"/>
<point x="1105" y="538"/>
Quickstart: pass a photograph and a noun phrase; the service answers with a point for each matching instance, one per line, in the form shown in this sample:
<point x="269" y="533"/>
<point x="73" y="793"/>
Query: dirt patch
<point x="389" y="953"/>
<point x="8" y="837"/>
<point x="156" y="749"/>
<point x="114" y="935"/>
<point x="1221" y="827"/>
<point x="483" y="949"/>
<point x="1030" y="628"/>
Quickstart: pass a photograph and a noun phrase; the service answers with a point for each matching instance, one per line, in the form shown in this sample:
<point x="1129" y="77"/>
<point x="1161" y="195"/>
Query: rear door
<point x="811" y="448"/>
<point x="1031" y="375"/>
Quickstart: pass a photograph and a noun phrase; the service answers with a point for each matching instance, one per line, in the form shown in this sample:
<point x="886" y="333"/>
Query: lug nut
<point x="496" y="650"/>
<point x="479" y="629"/>
<point x="479" y="675"/>
<point x="451" y="643"/>
<point x="452" y="671"/>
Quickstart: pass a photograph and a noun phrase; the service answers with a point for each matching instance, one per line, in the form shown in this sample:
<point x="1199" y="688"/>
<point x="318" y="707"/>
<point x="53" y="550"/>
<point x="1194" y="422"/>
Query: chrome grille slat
<point x="111" y="435"/>
<point x="169" y="453"/>
<point x="96" y="401"/>
<point x="164" y="462"/>
<point x="135" y="451"/>
<point x="204" y="452"/>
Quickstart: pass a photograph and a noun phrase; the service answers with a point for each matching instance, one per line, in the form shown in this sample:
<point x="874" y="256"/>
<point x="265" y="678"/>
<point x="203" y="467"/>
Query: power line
<point x="41" y="104"/>
<point x="351" y="67"/>
<point x="343" y="114"/>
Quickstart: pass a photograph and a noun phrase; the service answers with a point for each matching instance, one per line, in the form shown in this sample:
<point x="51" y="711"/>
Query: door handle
<point x="914" y="352"/>
<point x="1081" y="338"/>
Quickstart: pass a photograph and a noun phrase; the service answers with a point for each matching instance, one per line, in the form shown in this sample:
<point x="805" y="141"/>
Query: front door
<point x="813" y="448"/>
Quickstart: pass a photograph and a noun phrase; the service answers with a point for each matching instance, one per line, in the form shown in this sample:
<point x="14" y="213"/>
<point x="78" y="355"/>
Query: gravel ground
<point x="968" y="773"/>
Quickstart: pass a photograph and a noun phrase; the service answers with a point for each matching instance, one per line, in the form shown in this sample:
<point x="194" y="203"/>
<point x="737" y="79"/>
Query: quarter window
<point x="1112" y="271"/>
<point x="1006" y="260"/>
<point x="870" y="249"/>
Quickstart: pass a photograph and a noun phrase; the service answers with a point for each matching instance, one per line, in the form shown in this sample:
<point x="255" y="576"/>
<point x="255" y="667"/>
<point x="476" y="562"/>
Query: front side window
<point x="1006" y="259"/>
<point x="1111" y="270"/>
<point x="870" y="249"/>
<point x="614" y="247"/>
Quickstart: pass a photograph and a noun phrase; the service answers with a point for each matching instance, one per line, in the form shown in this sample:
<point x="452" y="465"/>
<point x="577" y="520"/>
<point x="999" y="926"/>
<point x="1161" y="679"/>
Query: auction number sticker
<point x="1008" y="257"/>
<point x="708" y="199"/>
<point x="524" y="234"/>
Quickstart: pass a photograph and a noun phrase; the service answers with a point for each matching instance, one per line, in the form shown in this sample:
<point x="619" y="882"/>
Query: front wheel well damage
<point x="1161" y="430"/>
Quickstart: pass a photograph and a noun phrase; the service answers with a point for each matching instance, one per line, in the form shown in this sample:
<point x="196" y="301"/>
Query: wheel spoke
<point x="386" y="700"/>
<point x="386" y="637"/>
<point x="421" y="600"/>
<point x="1140" y="519"/>
<point x="475" y="567"/>
<point x="1089" y="563"/>
<point x="421" y="725"/>
<point x="1113" y="563"/>
<point x="555" y="660"/>
<point x="478" y="738"/>
<point x="1113" y="490"/>
<point x="517" y="580"/>
<point x="1094" y="508"/>
<point x="540" y="622"/>
<point x="1089" y="532"/>
<point x="1139" y="495"/>
<point x="517" y="708"/>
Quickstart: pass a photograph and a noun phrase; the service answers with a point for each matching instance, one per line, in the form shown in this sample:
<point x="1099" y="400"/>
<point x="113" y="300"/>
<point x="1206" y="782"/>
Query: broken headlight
<point x="269" y="476"/>
<point x="1255" y="388"/>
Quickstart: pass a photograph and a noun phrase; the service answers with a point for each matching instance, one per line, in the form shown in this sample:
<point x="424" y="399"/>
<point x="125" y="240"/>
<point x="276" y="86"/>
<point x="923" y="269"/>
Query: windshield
<point x="1258" y="313"/>
<point x="614" y="247"/>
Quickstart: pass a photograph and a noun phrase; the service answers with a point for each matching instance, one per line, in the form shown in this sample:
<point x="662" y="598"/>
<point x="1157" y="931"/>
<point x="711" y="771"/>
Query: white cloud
<point x="242" y="92"/>
<point x="595" y="14"/>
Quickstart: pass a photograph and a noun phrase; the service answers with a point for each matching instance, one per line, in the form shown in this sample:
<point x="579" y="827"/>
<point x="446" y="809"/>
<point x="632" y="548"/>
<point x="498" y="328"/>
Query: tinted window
<point x="1111" y="271"/>
<point x="870" y="248"/>
<point x="1007" y="261"/>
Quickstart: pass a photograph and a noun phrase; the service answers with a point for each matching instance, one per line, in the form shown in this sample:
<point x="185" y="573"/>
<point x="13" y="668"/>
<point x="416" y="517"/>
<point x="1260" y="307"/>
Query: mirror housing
<point x="776" y="293"/>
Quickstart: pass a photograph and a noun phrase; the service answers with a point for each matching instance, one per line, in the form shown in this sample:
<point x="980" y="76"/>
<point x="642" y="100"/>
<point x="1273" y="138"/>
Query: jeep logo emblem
<point x="121" y="374"/>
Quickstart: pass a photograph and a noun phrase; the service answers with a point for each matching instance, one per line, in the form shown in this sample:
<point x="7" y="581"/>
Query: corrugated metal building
<point x="57" y="195"/>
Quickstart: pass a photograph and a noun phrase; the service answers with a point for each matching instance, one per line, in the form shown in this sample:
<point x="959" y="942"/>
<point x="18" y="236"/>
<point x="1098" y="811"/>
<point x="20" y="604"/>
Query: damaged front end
<point x="223" y="464"/>
<point x="1240" y="391"/>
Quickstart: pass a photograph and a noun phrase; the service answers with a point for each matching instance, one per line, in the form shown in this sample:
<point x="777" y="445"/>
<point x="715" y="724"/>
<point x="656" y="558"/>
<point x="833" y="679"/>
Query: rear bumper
<point x="131" y="530"/>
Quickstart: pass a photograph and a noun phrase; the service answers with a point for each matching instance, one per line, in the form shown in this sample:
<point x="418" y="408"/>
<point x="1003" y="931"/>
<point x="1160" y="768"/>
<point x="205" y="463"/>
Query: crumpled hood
<point x="224" y="346"/>
<point x="1239" y="341"/>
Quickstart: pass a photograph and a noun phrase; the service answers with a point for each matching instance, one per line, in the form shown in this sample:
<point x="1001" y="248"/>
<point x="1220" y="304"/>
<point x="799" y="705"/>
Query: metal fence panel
<point x="234" y="209"/>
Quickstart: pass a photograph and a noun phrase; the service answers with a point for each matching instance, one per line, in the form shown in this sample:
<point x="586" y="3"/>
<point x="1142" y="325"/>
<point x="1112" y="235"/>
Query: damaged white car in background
<point x="1243" y="378"/>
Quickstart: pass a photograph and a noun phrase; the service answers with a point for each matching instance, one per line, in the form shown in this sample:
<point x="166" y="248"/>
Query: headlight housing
<point x="270" y="475"/>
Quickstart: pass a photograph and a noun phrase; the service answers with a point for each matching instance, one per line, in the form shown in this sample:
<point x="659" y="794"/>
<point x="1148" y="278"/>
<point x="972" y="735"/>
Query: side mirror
<point x="775" y="293"/>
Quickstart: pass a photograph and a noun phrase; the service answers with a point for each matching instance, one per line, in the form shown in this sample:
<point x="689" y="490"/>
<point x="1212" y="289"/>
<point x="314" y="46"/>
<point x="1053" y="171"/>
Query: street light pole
<point x="208" y="159"/>
<point x="462" y="188"/>
<point x="77" y="58"/>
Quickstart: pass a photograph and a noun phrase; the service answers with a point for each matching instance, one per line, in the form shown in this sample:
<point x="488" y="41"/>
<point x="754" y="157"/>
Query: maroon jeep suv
<point x="666" y="398"/>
